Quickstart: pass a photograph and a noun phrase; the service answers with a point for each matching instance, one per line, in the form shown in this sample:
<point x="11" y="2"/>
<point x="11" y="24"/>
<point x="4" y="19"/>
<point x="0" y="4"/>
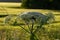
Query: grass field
<point x="14" y="9"/>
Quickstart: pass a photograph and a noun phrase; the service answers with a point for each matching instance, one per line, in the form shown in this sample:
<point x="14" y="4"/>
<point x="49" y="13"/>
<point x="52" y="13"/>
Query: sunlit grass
<point x="9" y="4"/>
<point x="12" y="8"/>
<point x="8" y="8"/>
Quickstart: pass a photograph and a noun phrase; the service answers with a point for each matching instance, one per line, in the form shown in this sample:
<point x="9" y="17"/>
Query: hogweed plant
<point x="9" y="20"/>
<point x="48" y="18"/>
<point x="33" y="22"/>
<point x="33" y="18"/>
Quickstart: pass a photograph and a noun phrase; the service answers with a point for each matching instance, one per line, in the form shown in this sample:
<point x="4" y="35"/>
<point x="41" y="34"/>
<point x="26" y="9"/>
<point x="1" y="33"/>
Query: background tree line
<point x="41" y="4"/>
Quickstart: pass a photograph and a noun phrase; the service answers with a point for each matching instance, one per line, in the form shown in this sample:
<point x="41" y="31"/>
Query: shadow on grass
<point x="7" y="15"/>
<point x="56" y="22"/>
<point x="55" y="10"/>
<point x="57" y="14"/>
<point x="3" y="16"/>
<point x="15" y="7"/>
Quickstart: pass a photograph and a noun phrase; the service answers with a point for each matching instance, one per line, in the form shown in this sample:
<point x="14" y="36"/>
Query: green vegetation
<point x="11" y="32"/>
<point x="41" y="4"/>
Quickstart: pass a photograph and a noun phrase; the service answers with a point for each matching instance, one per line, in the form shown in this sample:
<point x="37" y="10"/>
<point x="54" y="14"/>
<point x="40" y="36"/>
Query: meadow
<point x="9" y="32"/>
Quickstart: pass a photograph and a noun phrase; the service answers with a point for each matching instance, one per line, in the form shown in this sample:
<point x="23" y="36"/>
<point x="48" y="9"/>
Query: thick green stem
<point x="38" y="28"/>
<point x="31" y="35"/>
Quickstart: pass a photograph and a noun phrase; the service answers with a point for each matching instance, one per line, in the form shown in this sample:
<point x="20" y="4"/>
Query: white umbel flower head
<point x="35" y="16"/>
<point x="31" y="16"/>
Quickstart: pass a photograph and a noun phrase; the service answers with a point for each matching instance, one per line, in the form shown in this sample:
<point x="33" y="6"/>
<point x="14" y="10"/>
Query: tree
<point x="25" y="3"/>
<point x="41" y="4"/>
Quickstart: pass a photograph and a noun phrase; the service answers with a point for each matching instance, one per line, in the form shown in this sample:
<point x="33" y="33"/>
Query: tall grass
<point x="12" y="33"/>
<point x="16" y="33"/>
